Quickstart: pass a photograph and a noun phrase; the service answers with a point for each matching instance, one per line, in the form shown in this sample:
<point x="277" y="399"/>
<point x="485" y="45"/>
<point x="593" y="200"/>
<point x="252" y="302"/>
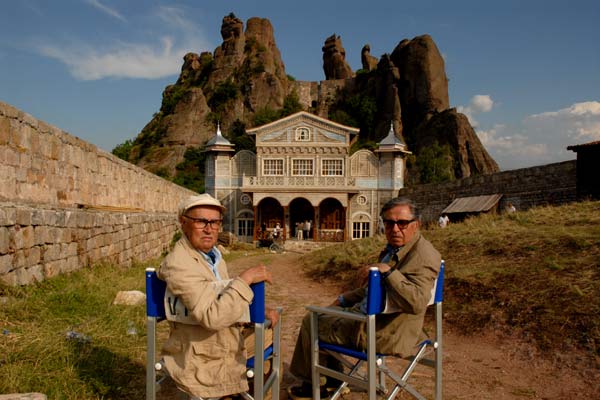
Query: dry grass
<point x="534" y="273"/>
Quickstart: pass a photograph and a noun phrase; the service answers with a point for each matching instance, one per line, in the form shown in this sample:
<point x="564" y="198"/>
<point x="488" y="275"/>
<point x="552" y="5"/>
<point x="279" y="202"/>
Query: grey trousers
<point x="332" y="330"/>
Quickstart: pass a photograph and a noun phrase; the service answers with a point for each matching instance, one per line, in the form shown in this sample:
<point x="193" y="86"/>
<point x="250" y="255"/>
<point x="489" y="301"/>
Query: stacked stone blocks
<point x="65" y="204"/>
<point x="525" y="188"/>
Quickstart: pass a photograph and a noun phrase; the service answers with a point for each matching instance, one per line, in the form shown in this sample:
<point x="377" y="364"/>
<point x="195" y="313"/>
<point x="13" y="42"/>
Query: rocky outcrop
<point x="423" y="85"/>
<point x="245" y="76"/>
<point x="334" y="59"/>
<point x="453" y="128"/>
<point x="369" y="63"/>
<point x="386" y="94"/>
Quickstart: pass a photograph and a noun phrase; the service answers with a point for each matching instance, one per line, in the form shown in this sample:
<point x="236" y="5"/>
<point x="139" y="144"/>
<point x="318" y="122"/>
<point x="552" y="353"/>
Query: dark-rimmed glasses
<point x="401" y="223"/>
<point x="202" y="223"/>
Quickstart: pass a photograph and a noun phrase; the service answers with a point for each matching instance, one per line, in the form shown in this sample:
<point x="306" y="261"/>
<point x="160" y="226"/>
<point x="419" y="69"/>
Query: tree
<point x="434" y="163"/>
<point x="123" y="150"/>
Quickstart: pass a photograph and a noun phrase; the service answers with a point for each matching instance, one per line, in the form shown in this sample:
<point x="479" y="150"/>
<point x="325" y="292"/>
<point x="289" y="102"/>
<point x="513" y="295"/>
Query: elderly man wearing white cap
<point x="205" y="351"/>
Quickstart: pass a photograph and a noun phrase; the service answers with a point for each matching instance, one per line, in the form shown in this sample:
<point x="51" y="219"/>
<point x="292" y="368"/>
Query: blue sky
<point x="526" y="72"/>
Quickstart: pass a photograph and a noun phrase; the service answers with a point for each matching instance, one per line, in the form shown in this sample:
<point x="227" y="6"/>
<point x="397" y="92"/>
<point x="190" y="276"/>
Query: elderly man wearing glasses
<point x="205" y="354"/>
<point x="409" y="265"/>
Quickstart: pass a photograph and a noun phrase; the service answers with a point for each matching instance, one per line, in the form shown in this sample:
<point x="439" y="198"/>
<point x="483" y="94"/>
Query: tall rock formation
<point x="423" y="85"/>
<point x="369" y="63"/>
<point x="334" y="59"/>
<point x="244" y="75"/>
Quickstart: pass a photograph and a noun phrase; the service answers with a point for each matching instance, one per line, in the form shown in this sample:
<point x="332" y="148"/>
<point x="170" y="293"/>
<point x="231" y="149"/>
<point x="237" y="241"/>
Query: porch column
<point x="285" y="222"/>
<point x="347" y="224"/>
<point x="315" y="224"/>
<point x="256" y="225"/>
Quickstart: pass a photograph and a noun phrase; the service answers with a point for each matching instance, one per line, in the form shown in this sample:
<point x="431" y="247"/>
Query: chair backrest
<point x="439" y="285"/>
<point x="155" y="294"/>
<point x="376" y="290"/>
<point x="257" y="307"/>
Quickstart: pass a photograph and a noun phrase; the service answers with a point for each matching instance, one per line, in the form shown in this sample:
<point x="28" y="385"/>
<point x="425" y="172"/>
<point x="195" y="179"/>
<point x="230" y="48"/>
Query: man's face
<point x="398" y="236"/>
<point x="202" y="239"/>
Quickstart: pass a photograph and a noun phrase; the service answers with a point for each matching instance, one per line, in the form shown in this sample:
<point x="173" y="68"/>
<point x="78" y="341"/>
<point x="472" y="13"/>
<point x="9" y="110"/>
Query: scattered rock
<point x="23" y="396"/>
<point x="130" y="298"/>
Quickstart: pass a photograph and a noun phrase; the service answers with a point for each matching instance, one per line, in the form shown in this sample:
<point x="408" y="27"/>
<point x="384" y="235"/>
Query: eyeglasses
<point x="202" y="223"/>
<point x="401" y="223"/>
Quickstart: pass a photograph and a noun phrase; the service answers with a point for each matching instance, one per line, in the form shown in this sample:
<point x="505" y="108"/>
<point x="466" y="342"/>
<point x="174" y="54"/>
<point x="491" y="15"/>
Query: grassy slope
<point x="536" y="272"/>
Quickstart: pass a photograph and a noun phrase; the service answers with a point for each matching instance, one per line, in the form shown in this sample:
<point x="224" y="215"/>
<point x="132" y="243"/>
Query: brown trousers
<point x="332" y="330"/>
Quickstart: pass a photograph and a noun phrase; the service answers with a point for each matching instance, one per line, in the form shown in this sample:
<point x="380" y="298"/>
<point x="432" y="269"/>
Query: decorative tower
<point x="392" y="153"/>
<point x="217" y="178"/>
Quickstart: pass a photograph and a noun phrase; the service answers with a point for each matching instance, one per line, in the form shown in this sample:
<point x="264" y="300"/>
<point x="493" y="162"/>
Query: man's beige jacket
<point x="208" y="358"/>
<point x="409" y="286"/>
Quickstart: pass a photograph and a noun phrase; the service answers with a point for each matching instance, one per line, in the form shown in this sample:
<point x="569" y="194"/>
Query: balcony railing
<point x="298" y="181"/>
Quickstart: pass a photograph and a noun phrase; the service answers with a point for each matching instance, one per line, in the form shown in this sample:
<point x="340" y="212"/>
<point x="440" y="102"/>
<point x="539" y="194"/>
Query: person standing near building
<point x="307" y="228"/>
<point x="299" y="230"/>
<point x="443" y="221"/>
<point x="277" y="231"/>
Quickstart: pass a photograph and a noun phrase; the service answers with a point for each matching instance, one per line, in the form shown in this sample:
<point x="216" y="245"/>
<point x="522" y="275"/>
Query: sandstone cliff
<point x="243" y="83"/>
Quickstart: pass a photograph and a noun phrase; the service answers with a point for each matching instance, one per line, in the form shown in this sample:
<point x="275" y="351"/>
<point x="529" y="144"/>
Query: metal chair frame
<point x="376" y="369"/>
<point x="155" y="313"/>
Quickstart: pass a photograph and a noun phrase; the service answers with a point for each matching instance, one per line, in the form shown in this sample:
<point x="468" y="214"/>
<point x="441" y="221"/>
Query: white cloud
<point x="161" y="56"/>
<point x="107" y="10"/>
<point x="479" y="103"/>
<point x="543" y="138"/>
<point x="125" y="60"/>
<point x="578" y="123"/>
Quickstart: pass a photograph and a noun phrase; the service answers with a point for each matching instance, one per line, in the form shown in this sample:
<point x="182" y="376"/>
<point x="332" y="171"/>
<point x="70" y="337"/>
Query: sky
<point x="525" y="72"/>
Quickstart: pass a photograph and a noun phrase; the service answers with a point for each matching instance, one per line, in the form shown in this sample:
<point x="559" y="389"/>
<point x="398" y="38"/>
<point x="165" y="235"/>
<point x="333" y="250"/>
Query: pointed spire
<point x="391" y="142"/>
<point x="218" y="139"/>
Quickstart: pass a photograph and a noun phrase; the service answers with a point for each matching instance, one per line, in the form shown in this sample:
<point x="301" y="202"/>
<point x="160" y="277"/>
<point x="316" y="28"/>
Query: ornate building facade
<point x="303" y="171"/>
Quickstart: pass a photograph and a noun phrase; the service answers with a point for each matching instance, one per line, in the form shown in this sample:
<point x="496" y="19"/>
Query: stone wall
<point x="524" y="188"/>
<point x="65" y="204"/>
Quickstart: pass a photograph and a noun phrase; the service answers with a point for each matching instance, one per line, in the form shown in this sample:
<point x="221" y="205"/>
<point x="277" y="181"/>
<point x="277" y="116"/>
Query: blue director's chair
<point x="376" y="368"/>
<point x="155" y="312"/>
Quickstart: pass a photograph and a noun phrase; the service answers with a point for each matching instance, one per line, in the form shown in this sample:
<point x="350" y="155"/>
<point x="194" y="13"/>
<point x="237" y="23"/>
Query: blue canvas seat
<point x="155" y="313"/>
<point x="373" y="381"/>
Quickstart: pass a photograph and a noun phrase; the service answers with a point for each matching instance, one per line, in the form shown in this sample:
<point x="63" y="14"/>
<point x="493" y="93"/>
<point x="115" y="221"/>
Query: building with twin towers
<point x="303" y="171"/>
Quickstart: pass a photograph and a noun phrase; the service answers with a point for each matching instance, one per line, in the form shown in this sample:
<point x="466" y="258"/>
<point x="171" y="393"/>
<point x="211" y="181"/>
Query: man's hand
<point x="272" y="315"/>
<point x="363" y="272"/>
<point x="257" y="274"/>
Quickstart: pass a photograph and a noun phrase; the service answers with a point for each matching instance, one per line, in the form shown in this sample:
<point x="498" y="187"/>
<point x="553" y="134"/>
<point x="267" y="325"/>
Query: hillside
<point x="532" y="274"/>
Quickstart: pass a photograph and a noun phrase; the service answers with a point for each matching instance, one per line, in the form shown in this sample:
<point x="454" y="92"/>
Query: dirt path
<point x="481" y="367"/>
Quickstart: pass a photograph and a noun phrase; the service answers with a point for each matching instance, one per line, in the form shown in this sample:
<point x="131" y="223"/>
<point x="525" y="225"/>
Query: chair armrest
<point x="337" y="313"/>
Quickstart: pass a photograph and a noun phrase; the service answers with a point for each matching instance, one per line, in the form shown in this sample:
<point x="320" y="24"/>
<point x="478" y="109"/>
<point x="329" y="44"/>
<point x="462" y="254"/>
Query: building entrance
<point x="332" y="217"/>
<point x="269" y="214"/>
<point x="301" y="212"/>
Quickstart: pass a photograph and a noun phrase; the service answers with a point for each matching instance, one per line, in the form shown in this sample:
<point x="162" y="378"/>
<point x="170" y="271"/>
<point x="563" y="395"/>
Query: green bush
<point x="123" y="150"/>
<point x="435" y="163"/>
<point x="223" y="93"/>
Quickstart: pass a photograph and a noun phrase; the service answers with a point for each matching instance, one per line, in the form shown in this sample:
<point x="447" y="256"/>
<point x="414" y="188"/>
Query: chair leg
<point x="150" y="359"/>
<point x="314" y="346"/>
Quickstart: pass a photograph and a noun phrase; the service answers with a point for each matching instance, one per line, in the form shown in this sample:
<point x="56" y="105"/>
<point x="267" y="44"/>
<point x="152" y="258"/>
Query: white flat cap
<point x="204" y="199"/>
